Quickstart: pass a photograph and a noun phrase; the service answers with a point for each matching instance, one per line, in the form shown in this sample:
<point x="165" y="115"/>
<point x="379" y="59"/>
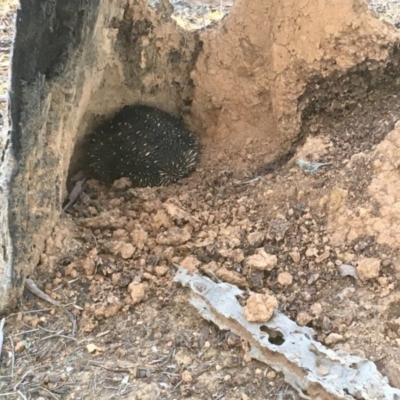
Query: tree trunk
<point x="252" y="82"/>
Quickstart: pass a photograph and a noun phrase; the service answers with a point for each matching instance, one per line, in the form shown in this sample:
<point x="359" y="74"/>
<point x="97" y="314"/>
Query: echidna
<point x="145" y="144"/>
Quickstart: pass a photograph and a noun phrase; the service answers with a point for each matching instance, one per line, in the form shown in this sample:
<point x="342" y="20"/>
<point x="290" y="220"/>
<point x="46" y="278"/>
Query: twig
<point x="3" y="321"/>
<point x="59" y="335"/>
<point x="22" y="379"/>
<point x="75" y="193"/>
<point x="36" y="291"/>
<point x="48" y="391"/>
<point x="22" y="395"/>
<point x="115" y="368"/>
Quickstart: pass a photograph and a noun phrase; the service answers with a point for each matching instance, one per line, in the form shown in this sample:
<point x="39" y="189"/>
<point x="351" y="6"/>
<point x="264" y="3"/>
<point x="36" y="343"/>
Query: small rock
<point x="295" y="256"/>
<point x="139" y="238"/>
<point x="368" y="268"/>
<point x="235" y="255"/>
<point x="316" y="309"/>
<point x="333" y="338"/>
<point x="311" y="252"/>
<point x="231" y="277"/>
<point x="256" y="239"/>
<point x="137" y="292"/>
<point x="190" y="263"/>
<point x="271" y="375"/>
<point x="19" y="346"/>
<point x="161" y="270"/>
<point x="122" y="183"/>
<point x="161" y="219"/>
<point x="303" y="318"/>
<point x="261" y="260"/>
<point x="322" y="257"/>
<point x="260" y="307"/>
<point x="347" y="270"/>
<point x="125" y="249"/>
<point x="285" y="279"/>
<point x="392" y="370"/>
<point x="186" y="376"/>
<point x="174" y="237"/>
<point x="89" y="263"/>
<point x="247" y="358"/>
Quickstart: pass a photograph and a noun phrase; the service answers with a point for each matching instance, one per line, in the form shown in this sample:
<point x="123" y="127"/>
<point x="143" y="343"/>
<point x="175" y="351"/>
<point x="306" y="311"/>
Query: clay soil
<point x="131" y="333"/>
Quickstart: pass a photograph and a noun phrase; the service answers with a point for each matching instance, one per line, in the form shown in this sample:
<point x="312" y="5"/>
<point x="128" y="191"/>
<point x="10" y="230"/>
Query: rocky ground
<point x="130" y="332"/>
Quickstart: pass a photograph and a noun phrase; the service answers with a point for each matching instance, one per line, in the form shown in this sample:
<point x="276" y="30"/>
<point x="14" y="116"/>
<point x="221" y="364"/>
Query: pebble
<point x="190" y="263"/>
<point x="187" y="376"/>
<point x="295" y="256"/>
<point x="271" y="375"/>
<point x="161" y="270"/>
<point x="137" y="292"/>
<point x="303" y="318"/>
<point x="285" y="279"/>
<point x="125" y="249"/>
<point x="261" y="260"/>
<point x="368" y="268"/>
<point x="173" y="237"/>
<point x="333" y="338"/>
<point x="260" y="307"/>
<point x="256" y="239"/>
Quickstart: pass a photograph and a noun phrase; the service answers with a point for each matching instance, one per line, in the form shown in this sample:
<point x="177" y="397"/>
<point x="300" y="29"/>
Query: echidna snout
<point x="145" y="144"/>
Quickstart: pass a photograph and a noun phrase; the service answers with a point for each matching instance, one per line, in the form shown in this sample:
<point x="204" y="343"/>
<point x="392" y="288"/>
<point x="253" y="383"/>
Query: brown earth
<point x="110" y="262"/>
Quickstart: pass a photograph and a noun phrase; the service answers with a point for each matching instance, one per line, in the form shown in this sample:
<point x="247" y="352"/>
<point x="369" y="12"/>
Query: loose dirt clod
<point x="260" y="307"/>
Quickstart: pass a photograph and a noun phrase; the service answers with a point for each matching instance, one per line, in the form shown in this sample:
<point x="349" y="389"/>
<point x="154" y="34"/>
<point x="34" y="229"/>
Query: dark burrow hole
<point x="275" y="337"/>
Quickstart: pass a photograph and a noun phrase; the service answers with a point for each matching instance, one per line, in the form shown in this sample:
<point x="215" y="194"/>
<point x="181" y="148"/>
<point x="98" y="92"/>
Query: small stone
<point x="392" y="370"/>
<point x="247" y="358"/>
<point x="186" y="376"/>
<point x="271" y="375"/>
<point x="258" y="371"/>
<point x="322" y="257"/>
<point x="227" y="378"/>
<point x="19" y="346"/>
<point x="260" y="307"/>
<point x="122" y="184"/>
<point x="139" y="238"/>
<point x="295" y="256"/>
<point x="235" y="255"/>
<point x="311" y="252"/>
<point x="261" y="260"/>
<point x="137" y="292"/>
<point x="368" y="268"/>
<point x="190" y="263"/>
<point x="333" y="338"/>
<point x="316" y="309"/>
<point x="125" y="249"/>
<point x="285" y="279"/>
<point x="256" y="239"/>
<point x="174" y="237"/>
<point x="303" y="318"/>
<point x="231" y="277"/>
<point x="161" y="270"/>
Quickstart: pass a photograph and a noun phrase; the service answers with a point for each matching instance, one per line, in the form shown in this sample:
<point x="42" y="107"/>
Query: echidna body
<point x="145" y="144"/>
